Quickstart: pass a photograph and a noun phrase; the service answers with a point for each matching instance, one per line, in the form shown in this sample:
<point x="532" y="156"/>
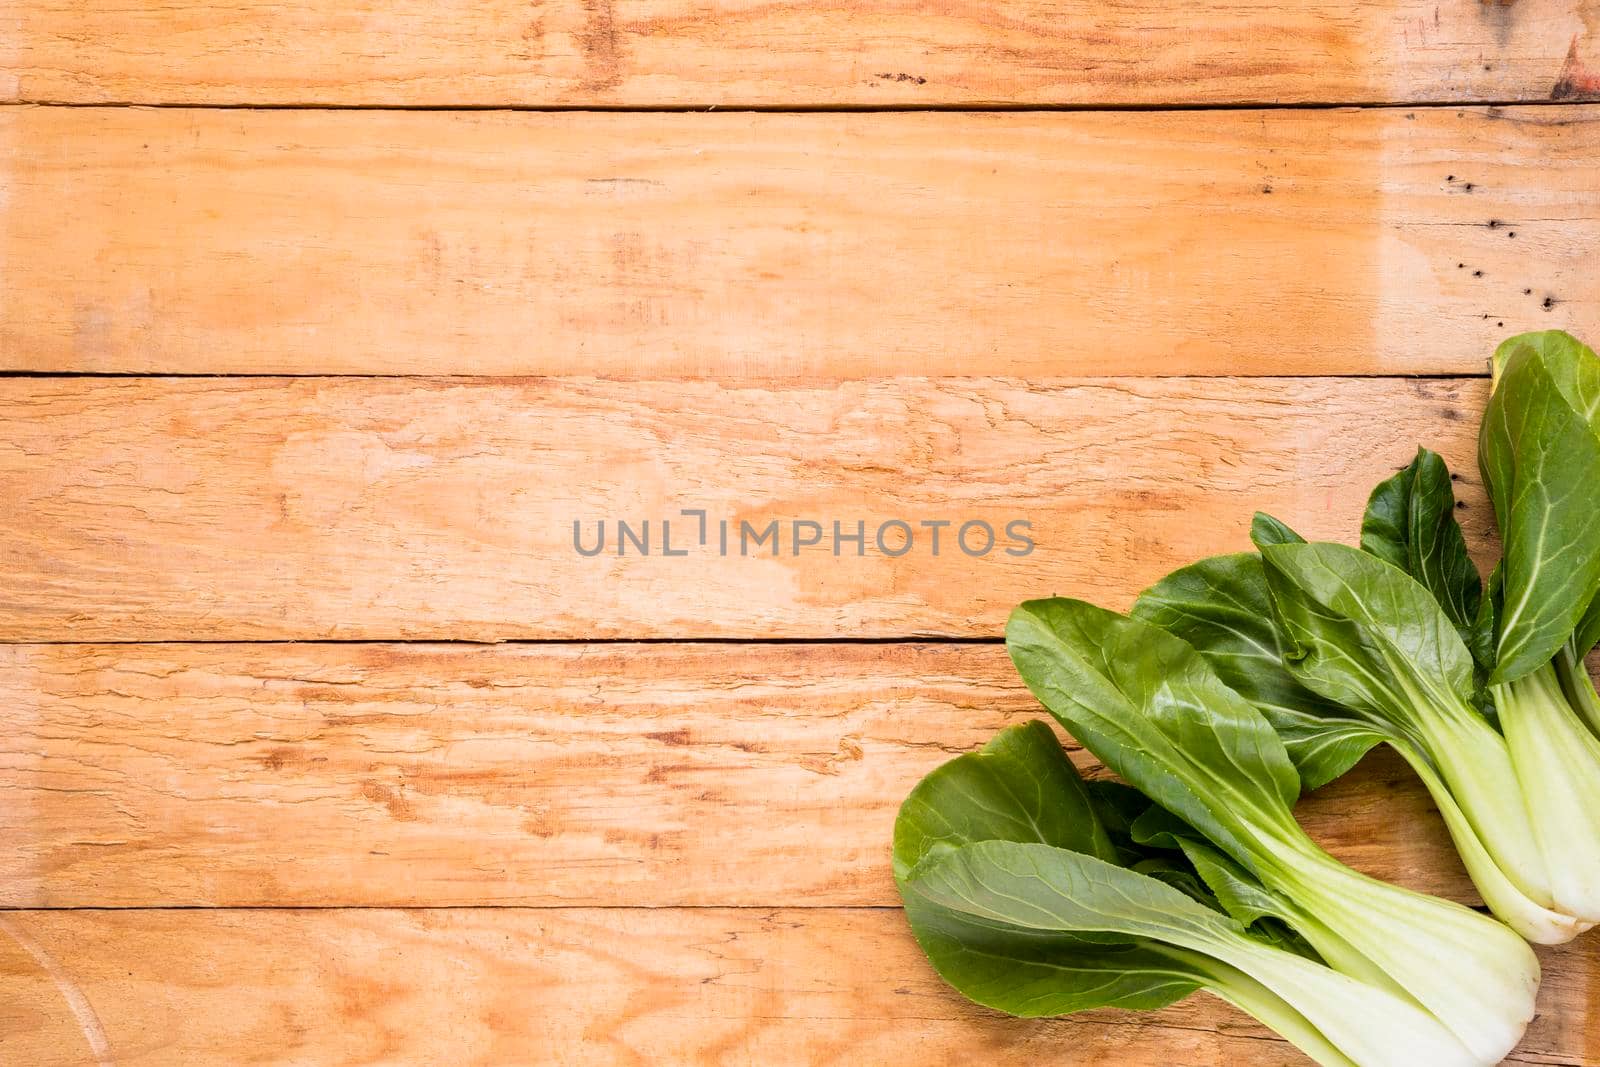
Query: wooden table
<point x="321" y="325"/>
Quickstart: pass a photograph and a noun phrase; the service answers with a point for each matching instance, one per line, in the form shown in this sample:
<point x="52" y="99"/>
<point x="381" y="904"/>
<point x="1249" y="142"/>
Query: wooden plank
<point x="821" y="52"/>
<point x="605" y="986"/>
<point x="243" y="509"/>
<point x="272" y="775"/>
<point x="814" y="245"/>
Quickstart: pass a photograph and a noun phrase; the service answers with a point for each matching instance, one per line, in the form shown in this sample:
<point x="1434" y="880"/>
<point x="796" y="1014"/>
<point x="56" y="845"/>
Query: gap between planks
<point x="749" y="379"/>
<point x="822" y="109"/>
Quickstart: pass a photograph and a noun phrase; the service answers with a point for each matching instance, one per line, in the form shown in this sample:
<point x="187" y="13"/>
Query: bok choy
<point x="1539" y="452"/>
<point x="1027" y="900"/>
<point x="1155" y="711"/>
<point x="1402" y="644"/>
<point x="1240" y="680"/>
<point x="1341" y="650"/>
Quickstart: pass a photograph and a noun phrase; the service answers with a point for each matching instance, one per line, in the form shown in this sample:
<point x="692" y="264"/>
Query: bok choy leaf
<point x="1539" y="451"/>
<point x="1222" y="607"/>
<point x="1410" y="522"/>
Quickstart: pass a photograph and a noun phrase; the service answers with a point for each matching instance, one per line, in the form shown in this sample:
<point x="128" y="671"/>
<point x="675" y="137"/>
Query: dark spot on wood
<point x="1549" y="302"/>
<point x="1499" y="324"/>
<point x="317" y="691"/>
<point x="1478" y="274"/>
<point x="1513" y="233"/>
<point x="372" y="719"/>
<point x="1461" y="505"/>
<point x="1527" y="292"/>
<point x="1575" y="80"/>
<point x="1266" y="188"/>
<point x="903" y="77"/>
<point x="625" y="181"/>
<point x="1460" y="265"/>
<point x="1468" y="187"/>
<point x="670" y="737"/>
<point x="602" y="50"/>
<point x="1449" y="177"/>
<point x="1493" y="224"/>
<point x="392" y="798"/>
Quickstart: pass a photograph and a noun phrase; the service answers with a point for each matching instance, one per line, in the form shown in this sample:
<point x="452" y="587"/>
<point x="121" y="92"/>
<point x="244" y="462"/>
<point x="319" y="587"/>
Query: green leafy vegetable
<point x="1577" y="685"/>
<point x="1017" y="918"/>
<point x="1152" y="709"/>
<point x="1241" y="679"/>
<point x="1049" y="893"/>
<point x="1365" y="634"/>
<point x="1021" y="787"/>
<point x="1513" y="766"/>
<point x="1266" y="530"/>
<point x="1410" y="522"/>
<point x="1558" y="760"/>
<point x="1588" y="633"/>
<point x="1223" y="607"/>
<point x="1539" y="451"/>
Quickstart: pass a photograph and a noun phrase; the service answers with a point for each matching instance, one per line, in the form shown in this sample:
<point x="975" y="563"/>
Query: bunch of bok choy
<point x="1240" y="680"/>
<point x="1024" y="901"/>
<point x="1481" y="690"/>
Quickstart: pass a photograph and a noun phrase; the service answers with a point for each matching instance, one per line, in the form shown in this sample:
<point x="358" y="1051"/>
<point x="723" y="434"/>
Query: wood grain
<point x="813" y="245"/>
<point x="811" y="53"/>
<point x="273" y="775"/>
<point x="602" y="986"/>
<point x="379" y="509"/>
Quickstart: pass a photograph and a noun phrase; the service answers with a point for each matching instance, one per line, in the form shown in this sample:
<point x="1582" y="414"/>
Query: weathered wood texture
<point x="612" y="986"/>
<point x="619" y="775"/>
<point x="815" y="52"/>
<point x="828" y="245"/>
<point x="183" y="509"/>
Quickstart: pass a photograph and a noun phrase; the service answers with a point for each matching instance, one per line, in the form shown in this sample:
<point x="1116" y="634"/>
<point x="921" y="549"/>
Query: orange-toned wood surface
<point x="360" y="775"/>
<point x="227" y="509"/>
<point x="739" y="53"/>
<point x="243" y="716"/>
<point x="1340" y="242"/>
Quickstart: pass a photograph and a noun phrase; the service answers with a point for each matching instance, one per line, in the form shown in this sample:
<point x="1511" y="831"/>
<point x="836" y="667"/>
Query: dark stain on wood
<point x="391" y="798"/>
<point x="602" y="48"/>
<point x="1576" y="81"/>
